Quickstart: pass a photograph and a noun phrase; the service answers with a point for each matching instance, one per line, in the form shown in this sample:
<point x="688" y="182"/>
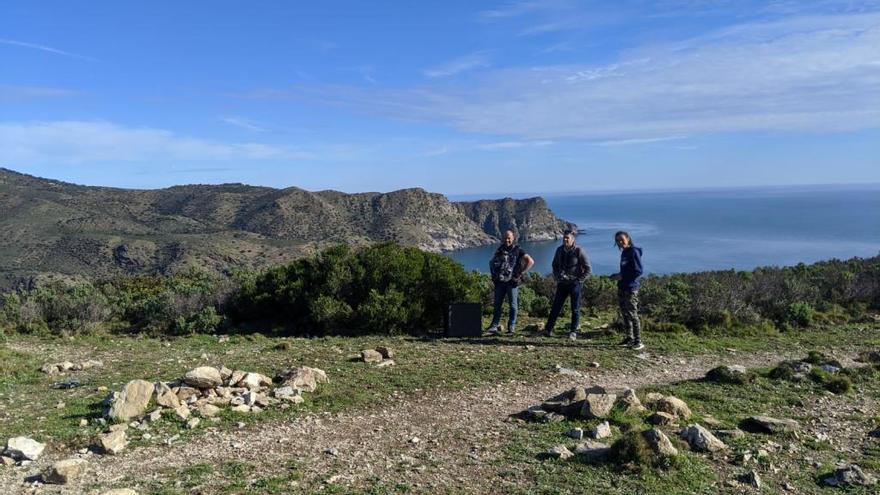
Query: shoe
<point x="573" y="336"/>
<point x="627" y="342"/>
<point x="543" y="333"/>
<point x="510" y="331"/>
<point x="493" y="330"/>
<point x="637" y="346"/>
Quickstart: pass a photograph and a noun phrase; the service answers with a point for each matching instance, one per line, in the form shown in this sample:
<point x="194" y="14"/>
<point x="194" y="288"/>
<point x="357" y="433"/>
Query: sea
<point x="717" y="229"/>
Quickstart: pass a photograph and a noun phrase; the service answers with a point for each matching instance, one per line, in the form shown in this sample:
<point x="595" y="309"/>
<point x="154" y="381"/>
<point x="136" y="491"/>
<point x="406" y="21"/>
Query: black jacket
<point x="571" y="265"/>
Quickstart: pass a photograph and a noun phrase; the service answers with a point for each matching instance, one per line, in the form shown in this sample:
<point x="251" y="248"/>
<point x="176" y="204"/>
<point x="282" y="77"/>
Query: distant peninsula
<point x="56" y="228"/>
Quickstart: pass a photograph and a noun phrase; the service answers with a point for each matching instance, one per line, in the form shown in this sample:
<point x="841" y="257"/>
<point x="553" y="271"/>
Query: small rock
<point x="132" y="401"/>
<point x="241" y="408"/>
<point x="660" y="443"/>
<point x="630" y="401"/>
<point x="386" y="352"/>
<point x="203" y="377"/>
<point x="731" y="434"/>
<point x="371" y="356"/>
<point x="6" y="461"/>
<point x="662" y="419"/>
<point x="701" y="439"/>
<point x="559" y="452"/>
<point x="751" y="478"/>
<point x="592" y="451"/>
<point x="24" y="449"/>
<point x="387" y="362"/>
<point x="62" y="472"/>
<point x="208" y="410"/>
<point x="568" y="371"/>
<point x="83" y="422"/>
<point x="675" y="406"/>
<point x="182" y="412"/>
<point x="332" y="452"/>
<point x="851" y="475"/>
<point x="154" y="416"/>
<point x="193" y="423"/>
<point x="766" y="424"/>
<point x="576" y="433"/>
<point x="598" y="405"/>
<point x="114" y="442"/>
<point x="594" y="364"/>
<point x="602" y="430"/>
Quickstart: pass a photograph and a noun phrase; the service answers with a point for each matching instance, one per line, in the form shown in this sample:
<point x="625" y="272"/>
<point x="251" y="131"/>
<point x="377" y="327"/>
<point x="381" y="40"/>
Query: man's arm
<point x="584" y="261"/>
<point x="529" y="263"/>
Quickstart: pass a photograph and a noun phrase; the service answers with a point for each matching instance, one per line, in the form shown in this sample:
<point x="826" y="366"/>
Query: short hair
<point x="569" y="232"/>
<point x="511" y="232"/>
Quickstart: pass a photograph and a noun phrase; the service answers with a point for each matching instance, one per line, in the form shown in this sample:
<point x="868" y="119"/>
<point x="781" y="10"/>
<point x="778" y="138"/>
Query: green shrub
<point x="205" y="321"/>
<point x="723" y="374"/>
<point x="783" y="371"/>
<point x="839" y="384"/>
<point x="800" y="314"/>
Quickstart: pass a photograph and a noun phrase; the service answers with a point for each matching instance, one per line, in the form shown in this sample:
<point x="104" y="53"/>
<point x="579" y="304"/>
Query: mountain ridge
<point x="55" y="227"/>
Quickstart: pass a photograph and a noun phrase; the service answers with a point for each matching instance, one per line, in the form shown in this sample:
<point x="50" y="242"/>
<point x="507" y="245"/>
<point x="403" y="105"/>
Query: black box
<point x="464" y="320"/>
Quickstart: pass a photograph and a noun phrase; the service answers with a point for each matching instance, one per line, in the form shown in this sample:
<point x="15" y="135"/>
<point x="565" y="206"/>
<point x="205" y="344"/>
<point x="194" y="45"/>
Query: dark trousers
<point x="564" y="291"/>
<point x="629" y="311"/>
<point x="511" y="292"/>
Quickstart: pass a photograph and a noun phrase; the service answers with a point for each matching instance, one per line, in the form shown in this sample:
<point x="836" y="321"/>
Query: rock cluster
<point x="64" y="366"/>
<point x="204" y="391"/>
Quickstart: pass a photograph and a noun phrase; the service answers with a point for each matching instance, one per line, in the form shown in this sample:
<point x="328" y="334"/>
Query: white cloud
<point x="75" y="142"/>
<point x="45" y="49"/>
<point x="808" y="73"/>
<point x="243" y="123"/>
<point x="458" y="65"/>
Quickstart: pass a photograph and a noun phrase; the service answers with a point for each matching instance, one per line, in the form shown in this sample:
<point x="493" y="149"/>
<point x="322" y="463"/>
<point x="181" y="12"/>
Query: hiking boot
<point x="637" y="346"/>
<point x="626" y="342"/>
<point x="572" y="336"/>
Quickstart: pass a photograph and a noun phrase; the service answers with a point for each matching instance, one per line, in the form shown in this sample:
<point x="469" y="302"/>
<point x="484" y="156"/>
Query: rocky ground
<point x="437" y="441"/>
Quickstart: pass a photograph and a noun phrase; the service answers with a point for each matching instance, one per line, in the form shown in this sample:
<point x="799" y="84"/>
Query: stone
<point x="63" y="472"/>
<point x="659" y="443"/>
<point x="712" y="422"/>
<point x="731" y="434"/>
<point x="193" y="423"/>
<point x="132" y="401"/>
<point x="120" y="491"/>
<point x="303" y="378"/>
<point x="598" y="405"/>
<point x="386" y="352"/>
<point x="675" y="406"/>
<point x="701" y="439"/>
<point x="241" y="408"/>
<point x="114" y="442"/>
<point x="24" y="449"/>
<point x="165" y="397"/>
<point x="154" y="416"/>
<point x="766" y="424"/>
<point x="576" y="433"/>
<point x="568" y="371"/>
<point x="203" y="377"/>
<point x="83" y="422"/>
<point x="568" y="403"/>
<point x="751" y="478"/>
<point x="236" y="377"/>
<point x="629" y="401"/>
<point x="385" y="363"/>
<point x="185" y="394"/>
<point x="225" y="373"/>
<point x="652" y="398"/>
<point x="6" y="461"/>
<point x="119" y="427"/>
<point x="253" y="381"/>
<point x="65" y="366"/>
<point x="50" y="368"/>
<point x="91" y="363"/>
<point x="602" y="430"/>
<point x="592" y="451"/>
<point x="285" y="393"/>
<point x="182" y="412"/>
<point x="208" y="410"/>
<point x="559" y="452"/>
<point x="662" y="419"/>
<point x="371" y="356"/>
<point x="851" y="475"/>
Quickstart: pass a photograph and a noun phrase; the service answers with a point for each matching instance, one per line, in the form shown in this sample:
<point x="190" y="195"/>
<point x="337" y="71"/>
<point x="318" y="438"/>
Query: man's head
<point x="568" y="238"/>
<point x="508" y="238"/>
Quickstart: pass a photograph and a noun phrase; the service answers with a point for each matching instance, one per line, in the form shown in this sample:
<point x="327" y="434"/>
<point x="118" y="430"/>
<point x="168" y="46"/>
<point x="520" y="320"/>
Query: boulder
<point x="559" y="452"/>
<point x="165" y="397"/>
<point x="253" y="381"/>
<point x="701" y="439"/>
<point x="851" y="475"/>
<point x="629" y="401"/>
<point x="659" y="443"/>
<point x="371" y="356"/>
<point x="302" y="378"/>
<point x="673" y="405"/>
<point x="592" y="451"/>
<point x="132" y="401"/>
<point x="24" y="449"/>
<point x="63" y="472"/>
<point x="386" y="352"/>
<point x="114" y="442"/>
<point x="568" y="403"/>
<point x="662" y="419"/>
<point x="236" y="377"/>
<point x="203" y="377"/>
<point x="766" y="424"/>
<point x="598" y="405"/>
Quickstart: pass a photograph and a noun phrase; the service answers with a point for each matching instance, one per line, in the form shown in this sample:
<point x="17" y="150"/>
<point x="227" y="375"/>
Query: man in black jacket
<point x="508" y="266"/>
<point x="570" y="268"/>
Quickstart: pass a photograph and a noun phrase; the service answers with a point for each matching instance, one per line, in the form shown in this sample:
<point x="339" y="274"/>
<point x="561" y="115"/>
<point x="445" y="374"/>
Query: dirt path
<point x="460" y="437"/>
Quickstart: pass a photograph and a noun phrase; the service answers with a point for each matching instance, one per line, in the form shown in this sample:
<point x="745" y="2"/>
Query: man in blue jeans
<point x="508" y="266"/>
<point x="570" y="268"/>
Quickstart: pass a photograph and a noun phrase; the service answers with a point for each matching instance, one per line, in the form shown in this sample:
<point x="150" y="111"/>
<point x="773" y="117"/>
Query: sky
<point x="458" y="97"/>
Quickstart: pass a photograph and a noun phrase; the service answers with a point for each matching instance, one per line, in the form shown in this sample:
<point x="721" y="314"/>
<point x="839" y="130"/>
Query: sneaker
<point x="637" y="346"/>
<point x="627" y="342"/>
<point x="493" y="330"/>
<point x="510" y="331"/>
<point x="573" y="336"/>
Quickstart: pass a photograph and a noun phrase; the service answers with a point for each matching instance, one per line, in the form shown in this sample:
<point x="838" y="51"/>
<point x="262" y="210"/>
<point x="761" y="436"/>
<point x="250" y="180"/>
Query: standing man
<point x="508" y="266"/>
<point x="570" y="268"/>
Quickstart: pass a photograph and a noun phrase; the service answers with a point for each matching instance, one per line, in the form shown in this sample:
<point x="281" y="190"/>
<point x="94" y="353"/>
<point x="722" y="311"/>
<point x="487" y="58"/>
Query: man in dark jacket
<point x="570" y="268"/>
<point x="508" y="266"/>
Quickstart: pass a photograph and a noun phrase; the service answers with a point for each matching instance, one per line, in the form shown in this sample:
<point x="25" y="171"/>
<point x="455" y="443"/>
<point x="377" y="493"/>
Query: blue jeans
<point x="563" y="292"/>
<point x="502" y="290"/>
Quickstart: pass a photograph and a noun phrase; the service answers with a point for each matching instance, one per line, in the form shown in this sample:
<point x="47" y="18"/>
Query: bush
<point x="800" y="314"/>
<point x="723" y="374"/>
<point x="839" y="384"/>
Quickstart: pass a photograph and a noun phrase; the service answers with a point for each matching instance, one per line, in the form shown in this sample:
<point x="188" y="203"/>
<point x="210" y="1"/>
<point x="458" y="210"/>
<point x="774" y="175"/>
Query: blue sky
<point x="458" y="97"/>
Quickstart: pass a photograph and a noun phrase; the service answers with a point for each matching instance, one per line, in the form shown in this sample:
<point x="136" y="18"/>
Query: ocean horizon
<point x="692" y="230"/>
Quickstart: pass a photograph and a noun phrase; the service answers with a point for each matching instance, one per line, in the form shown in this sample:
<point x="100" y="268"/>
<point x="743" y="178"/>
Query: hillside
<point x="52" y="227"/>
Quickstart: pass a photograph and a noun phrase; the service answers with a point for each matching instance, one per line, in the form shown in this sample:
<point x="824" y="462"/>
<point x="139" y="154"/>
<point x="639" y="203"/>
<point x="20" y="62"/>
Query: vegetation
<point x="388" y="288"/>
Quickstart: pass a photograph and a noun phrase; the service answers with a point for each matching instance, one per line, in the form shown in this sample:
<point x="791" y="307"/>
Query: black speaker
<point x="464" y="320"/>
